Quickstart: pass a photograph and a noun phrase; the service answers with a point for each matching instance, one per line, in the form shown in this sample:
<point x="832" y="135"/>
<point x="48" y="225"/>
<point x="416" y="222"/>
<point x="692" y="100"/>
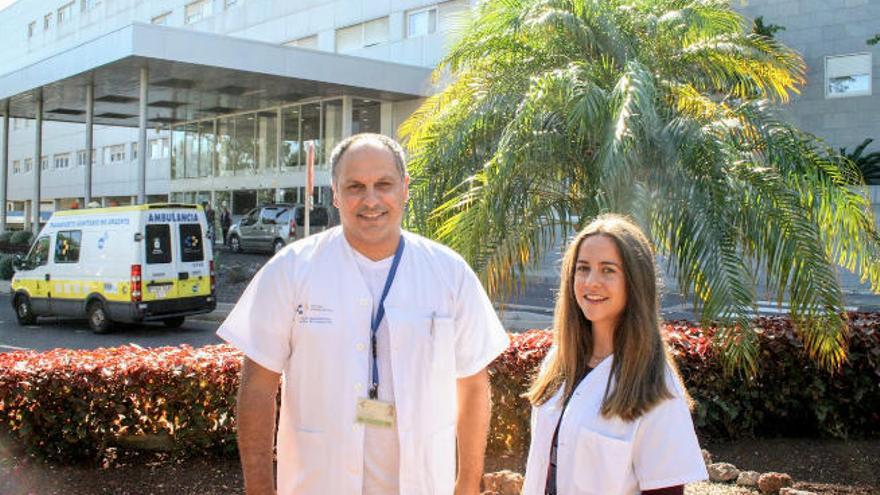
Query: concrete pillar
<point x="142" y="138"/>
<point x="4" y="173"/>
<point x="215" y="152"/>
<point x="38" y="163"/>
<point x="278" y="137"/>
<point x="386" y="119"/>
<point x="90" y="124"/>
<point x="347" y="110"/>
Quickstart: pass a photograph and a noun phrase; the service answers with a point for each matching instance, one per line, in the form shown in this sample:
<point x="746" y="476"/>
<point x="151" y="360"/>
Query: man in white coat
<point x="380" y="340"/>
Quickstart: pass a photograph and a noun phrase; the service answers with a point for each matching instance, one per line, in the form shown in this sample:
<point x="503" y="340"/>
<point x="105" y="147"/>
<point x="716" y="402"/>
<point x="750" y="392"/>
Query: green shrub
<point x="6" y="270"/>
<point x="72" y="404"/>
<point x="21" y="237"/>
<point x="788" y="396"/>
<point x="5" y="237"/>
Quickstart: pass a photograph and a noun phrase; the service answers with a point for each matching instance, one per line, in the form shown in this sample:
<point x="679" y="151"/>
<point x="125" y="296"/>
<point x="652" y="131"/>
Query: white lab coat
<point x="307" y="315"/>
<point x="600" y="456"/>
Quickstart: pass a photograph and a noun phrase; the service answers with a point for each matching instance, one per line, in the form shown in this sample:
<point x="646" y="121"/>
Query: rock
<point x="503" y="483"/>
<point x="773" y="482"/>
<point x="792" y="491"/>
<point x="748" y="478"/>
<point x="707" y="457"/>
<point x="722" y="471"/>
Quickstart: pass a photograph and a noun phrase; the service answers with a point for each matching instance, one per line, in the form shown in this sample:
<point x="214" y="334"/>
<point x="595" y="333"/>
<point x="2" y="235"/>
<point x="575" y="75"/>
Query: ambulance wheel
<point x="278" y="245"/>
<point x="99" y="321"/>
<point x="235" y="243"/>
<point x="174" y="322"/>
<point x="23" y="310"/>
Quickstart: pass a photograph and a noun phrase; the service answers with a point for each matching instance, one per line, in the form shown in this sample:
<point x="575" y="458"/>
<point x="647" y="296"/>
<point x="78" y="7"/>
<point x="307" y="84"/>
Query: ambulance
<point x="139" y="263"/>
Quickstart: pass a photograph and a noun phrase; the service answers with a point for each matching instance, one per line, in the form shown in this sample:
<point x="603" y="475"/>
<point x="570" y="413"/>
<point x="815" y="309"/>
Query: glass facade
<point x="268" y="142"/>
<point x="248" y="144"/>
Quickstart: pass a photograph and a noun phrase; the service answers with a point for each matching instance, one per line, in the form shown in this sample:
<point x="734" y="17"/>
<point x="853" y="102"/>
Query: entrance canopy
<point x="194" y="75"/>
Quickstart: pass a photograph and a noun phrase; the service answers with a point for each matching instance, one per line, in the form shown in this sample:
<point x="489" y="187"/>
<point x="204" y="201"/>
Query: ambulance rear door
<point x="159" y="274"/>
<point x="193" y="265"/>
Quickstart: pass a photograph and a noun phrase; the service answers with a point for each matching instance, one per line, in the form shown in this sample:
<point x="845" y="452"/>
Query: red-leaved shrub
<point x="67" y="405"/>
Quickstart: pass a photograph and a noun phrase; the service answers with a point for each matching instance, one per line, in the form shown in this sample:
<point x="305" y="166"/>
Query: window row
<point x="193" y="12"/>
<point x="419" y="22"/>
<point x="263" y="141"/>
<point x="159" y="149"/>
<point x="62" y="16"/>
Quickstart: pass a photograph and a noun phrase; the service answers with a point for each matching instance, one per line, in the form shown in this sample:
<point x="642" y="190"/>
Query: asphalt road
<point x="51" y="333"/>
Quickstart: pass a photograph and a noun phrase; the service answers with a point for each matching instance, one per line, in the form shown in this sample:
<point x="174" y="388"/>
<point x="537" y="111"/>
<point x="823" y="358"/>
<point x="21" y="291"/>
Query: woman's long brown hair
<point x="637" y="381"/>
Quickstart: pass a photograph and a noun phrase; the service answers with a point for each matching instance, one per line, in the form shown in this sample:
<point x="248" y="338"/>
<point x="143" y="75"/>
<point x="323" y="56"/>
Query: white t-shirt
<point x="381" y="447"/>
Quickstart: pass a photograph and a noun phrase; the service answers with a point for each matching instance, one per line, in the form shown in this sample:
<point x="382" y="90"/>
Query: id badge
<point x="375" y="413"/>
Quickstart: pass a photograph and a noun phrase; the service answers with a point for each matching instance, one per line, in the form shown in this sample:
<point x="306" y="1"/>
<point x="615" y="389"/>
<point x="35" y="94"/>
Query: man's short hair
<point x="380" y="139"/>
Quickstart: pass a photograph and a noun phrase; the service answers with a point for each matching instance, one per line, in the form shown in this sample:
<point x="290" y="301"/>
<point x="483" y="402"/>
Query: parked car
<point x="269" y="228"/>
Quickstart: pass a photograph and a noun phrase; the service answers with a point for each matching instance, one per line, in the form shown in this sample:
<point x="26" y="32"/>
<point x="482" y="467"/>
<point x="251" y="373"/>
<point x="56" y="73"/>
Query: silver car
<point x="271" y="227"/>
<point x="266" y="228"/>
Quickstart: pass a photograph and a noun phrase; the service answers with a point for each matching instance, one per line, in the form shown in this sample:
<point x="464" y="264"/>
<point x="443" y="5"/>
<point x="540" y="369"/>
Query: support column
<point x="347" y="110"/>
<point x="215" y="151"/>
<point x="90" y="141"/>
<point x="4" y="175"/>
<point x="38" y="163"/>
<point x="279" y="136"/>
<point x="142" y="138"/>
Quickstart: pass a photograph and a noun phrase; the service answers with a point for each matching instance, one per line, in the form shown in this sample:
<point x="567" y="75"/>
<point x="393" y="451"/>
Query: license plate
<point x="159" y="291"/>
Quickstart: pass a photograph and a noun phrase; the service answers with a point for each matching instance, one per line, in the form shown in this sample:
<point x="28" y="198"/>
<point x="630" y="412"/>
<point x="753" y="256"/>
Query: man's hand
<point x="473" y="426"/>
<point x="255" y="416"/>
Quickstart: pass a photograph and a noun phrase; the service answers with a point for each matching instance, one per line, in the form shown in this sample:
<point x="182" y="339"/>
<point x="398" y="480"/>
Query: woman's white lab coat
<point x="609" y="456"/>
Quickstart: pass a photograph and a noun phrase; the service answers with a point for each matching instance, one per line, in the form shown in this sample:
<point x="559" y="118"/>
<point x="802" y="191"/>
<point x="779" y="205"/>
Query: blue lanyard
<point x="380" y="313"/>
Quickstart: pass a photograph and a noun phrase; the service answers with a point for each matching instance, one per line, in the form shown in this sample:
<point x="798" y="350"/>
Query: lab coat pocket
<point x="442" y="334"/>
<point x="601" y="463"/>
<point x="442" y="460"/>
<point x="309" y="460"/>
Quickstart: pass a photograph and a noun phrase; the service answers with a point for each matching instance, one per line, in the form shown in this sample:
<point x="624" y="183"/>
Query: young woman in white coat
<point x="610" y="415"/>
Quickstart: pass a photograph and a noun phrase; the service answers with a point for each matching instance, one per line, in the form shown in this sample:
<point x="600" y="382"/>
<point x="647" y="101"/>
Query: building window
<point x="159" y="149"/>
<point x="366" y="116"/>
<point x="44" y="163"/>
<point x="134" y="151"/>
<point x="421" y="22"/>
<point x="87" y="5"/>
<point x="65" y="13"/>
<point x="114" y="154"/>
<point x="307" y="42"/>
<point x="47" y="21"/>
<point x="196" y="11"/>
<point x="16" y="166"/>
<point x="81" y="157"/>
<point x="32" y="26"/>
<point x="848" y="75"/>
<point x="62" y="161"/>
<point x="28" y="164"/>
<point x="369" y="33"/>
<point x="161" y="19"/>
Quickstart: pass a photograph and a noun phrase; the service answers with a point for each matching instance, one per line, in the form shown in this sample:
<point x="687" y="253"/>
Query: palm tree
<point x="557" y="110"/>
<point x="868" y="164"/>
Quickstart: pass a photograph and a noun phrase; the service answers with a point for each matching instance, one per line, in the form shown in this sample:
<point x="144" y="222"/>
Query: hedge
<point x="21" y="238"/>
<point x="6" y="268"/>
<point x="69" y="405"/>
